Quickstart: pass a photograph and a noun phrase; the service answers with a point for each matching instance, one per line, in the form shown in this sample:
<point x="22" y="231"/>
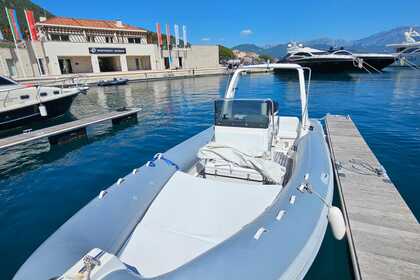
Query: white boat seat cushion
<point x="288" y="128"/>
<point x="190" y="216"/>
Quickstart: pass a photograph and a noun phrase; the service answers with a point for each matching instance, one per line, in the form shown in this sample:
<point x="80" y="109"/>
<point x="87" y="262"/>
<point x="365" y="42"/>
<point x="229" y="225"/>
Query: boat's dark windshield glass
<point x="5" y="82"/>
<point x="243" y="113"/>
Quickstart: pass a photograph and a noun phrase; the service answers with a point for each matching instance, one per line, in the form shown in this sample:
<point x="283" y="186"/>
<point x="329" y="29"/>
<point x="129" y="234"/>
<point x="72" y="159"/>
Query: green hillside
<point x="19" y="5"/>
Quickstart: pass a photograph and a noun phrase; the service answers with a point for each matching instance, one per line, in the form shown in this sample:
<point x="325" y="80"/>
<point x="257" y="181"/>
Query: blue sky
<point x="259" y="22"/>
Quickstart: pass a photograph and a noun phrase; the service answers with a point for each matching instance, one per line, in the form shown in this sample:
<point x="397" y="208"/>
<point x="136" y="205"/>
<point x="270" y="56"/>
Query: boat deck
<point x="66" y="129"/>
<point x="382" y="232"/>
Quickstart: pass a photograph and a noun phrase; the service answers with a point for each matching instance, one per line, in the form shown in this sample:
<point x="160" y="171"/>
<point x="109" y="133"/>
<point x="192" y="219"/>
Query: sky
<point x="257" y="22"/>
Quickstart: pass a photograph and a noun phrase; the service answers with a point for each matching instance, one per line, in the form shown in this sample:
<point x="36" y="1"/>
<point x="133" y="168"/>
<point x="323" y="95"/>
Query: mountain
<point x="374" y="43"/>
<point x="19" y="6"/>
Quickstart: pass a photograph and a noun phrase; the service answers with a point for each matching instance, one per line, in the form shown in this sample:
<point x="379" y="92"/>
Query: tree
<point x="225" y="53"/>
<point x="264" y="57"/>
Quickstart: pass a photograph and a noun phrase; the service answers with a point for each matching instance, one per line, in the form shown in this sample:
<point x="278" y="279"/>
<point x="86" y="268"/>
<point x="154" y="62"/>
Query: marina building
<point x="71" y="46"/>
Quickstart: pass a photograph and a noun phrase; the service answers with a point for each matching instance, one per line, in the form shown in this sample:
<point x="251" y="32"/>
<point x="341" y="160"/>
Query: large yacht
<point x="408" y="51"/>
<point x="23" y="104"/>
<point x="336" y="61"/>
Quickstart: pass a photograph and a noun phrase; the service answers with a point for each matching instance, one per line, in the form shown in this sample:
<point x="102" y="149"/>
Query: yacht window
<point x="342" y="53"/>
<point x="243" y="113"/>
<point x="302" y="54"/>
<point x="6" y="82"/>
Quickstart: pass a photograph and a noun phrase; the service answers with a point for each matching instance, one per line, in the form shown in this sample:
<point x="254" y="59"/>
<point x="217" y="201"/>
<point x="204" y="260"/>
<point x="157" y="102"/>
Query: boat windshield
<point x="6" y="81"/>
<point x="243" y="113"/>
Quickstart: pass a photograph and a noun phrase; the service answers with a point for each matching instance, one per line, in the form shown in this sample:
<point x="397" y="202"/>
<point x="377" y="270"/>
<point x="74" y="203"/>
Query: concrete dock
<point x="66" y="131"/>
<point x="382" y="232"/>
<point x="135" y="76"/>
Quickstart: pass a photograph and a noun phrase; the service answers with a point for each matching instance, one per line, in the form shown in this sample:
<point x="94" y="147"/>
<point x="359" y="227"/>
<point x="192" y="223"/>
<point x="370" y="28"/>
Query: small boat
<point x="248" y="198"/>
<point x="22" y="104"/>
<point x="113" y="82"/>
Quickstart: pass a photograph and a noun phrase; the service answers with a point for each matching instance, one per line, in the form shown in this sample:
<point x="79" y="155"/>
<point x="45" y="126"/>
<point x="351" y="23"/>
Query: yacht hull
<point x="324" y="65"/>
<point x="286" y="250"/>
<point x="376" y="62"/>
<point x="31" y="113"/>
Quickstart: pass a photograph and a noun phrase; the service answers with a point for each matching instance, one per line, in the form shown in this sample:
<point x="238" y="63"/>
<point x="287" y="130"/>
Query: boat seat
<point x="190" y="216"/>
<point x="288" y="128"/>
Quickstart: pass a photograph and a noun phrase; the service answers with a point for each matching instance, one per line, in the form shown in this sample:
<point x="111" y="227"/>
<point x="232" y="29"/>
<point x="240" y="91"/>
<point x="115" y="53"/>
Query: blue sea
<point x="42" y="186"/>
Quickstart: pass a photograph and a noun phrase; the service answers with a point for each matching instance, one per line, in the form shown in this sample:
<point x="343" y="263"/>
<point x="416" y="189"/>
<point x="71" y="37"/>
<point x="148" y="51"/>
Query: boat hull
<point x="378" y="63"/>
<point x="113" y="83"/>
<point x="285" y="251"/>
<point x="324" y="65"/>
<point x="29" y="114"/>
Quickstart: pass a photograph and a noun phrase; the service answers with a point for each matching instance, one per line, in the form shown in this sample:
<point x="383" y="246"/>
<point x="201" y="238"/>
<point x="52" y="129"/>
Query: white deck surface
<point x="190" y="216"/>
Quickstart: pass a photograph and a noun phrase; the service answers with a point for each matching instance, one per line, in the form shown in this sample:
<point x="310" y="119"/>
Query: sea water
<point x="42" y="186"/>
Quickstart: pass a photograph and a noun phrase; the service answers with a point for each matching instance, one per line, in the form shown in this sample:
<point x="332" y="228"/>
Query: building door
<point x="65" y="66"/>
<point x="41" y="66"/>
<point x="167" y="65"/>
<point x="109" y="63"/>
<point x="180" y="62"/>
<point x="137" y="64"/>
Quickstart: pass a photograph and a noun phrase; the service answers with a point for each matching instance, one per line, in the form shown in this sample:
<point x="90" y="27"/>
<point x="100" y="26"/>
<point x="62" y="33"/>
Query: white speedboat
<point x="23" y="104"/>
<point x="248" y="198"/>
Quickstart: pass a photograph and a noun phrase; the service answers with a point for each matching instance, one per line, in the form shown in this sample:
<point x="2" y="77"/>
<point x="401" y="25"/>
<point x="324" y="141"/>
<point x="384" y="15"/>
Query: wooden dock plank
<point x="383" y="233"/>
<point x="63" y="128"/>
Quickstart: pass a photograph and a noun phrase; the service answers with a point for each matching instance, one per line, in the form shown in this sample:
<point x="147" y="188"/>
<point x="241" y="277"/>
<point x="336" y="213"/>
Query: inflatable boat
<point x="248" y="198"/>
<point x="113" y="82"/>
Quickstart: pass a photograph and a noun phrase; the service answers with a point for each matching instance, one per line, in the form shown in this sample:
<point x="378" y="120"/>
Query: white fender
<point x="336" y="220"/>
<point x="43" y="110"/>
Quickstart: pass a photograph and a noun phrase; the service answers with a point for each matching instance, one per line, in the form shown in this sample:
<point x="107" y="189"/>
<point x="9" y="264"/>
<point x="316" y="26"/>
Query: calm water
<point x="40" y="188"/>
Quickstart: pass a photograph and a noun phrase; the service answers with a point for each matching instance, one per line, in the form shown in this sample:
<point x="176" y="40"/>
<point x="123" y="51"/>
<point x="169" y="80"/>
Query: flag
<point x="14" y="25"/>
<point x="168" y="36"/>
<point x="184" y="35"/>
<point x="176" y="30"/>
<point x="159" y="34"/>
<point x="30" y="19"/>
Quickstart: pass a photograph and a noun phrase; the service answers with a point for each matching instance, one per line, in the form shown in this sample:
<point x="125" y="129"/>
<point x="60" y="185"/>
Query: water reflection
<point x="36" y="179"/>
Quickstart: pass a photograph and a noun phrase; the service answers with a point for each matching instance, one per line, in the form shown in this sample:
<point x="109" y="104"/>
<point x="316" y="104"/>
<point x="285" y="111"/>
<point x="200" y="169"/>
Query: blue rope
<point x="166" y="160"/>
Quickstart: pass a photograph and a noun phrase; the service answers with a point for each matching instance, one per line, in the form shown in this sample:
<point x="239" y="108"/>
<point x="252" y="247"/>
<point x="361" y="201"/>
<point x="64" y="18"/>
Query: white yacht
<point x="248" y="198"/>
<point x="409" y="50"/>
<point x="22" y="104"/>
<point x="337" y="60"/>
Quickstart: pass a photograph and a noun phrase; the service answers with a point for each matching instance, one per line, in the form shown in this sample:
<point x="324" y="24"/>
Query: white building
<point x="68" y="45"/>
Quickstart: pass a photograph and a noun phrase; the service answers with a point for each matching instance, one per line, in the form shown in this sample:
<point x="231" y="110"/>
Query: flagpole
<point x="32" y="37"/>
<point x="14" y="30"/>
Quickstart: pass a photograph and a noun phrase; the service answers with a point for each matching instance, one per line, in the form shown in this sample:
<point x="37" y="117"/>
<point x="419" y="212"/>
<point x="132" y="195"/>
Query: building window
<point x="41" y="66"/>
<point x="90" y="39"/>
<point x="135" y="40"/>
<point x="11" y="66"/>
<point x="60" y="37"/>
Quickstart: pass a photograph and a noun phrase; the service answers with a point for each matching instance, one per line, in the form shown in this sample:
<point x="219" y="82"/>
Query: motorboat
<point x="408" y="51"/>
<point x="337" y="61"/>
<point x="318" y="60"/>
<point x="113" y="82"/>
<point x="23" y="104"/>
<point x="248" y="198"/>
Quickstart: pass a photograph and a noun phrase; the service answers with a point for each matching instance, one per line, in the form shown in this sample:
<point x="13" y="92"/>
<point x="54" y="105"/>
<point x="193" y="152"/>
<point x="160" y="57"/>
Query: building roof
<point x="90" y="24"/>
